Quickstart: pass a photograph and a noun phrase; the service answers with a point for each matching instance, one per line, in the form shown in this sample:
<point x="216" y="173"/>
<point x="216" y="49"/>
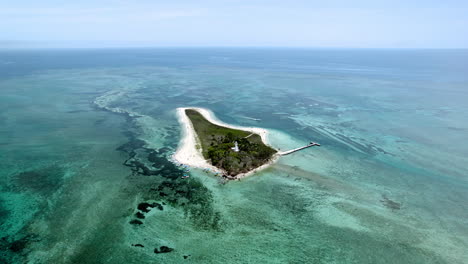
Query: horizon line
<point x="228" y="47"/>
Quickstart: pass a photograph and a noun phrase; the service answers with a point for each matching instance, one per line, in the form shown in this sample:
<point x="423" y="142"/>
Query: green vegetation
<point x="217" y="143"/>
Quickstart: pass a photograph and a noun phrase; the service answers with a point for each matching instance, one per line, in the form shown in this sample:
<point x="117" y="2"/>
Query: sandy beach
<point x="187" y="152"/>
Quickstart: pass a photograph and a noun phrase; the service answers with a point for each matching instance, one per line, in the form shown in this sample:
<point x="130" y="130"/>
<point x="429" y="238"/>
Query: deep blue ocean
<point x="389" y="183"/>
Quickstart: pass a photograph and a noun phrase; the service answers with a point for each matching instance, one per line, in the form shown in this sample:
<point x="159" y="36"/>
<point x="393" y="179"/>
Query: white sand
<point x="188" y="153"/>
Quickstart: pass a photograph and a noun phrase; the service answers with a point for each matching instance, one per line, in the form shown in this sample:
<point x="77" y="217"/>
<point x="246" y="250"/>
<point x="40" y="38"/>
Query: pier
<point x="311" y="144"/>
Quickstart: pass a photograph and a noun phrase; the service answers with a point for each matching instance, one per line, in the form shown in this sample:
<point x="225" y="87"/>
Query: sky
<point x="234" y="23"/>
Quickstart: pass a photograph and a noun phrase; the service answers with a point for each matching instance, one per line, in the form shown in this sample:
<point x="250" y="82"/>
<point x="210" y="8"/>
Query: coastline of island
<point x="189" y="151"/>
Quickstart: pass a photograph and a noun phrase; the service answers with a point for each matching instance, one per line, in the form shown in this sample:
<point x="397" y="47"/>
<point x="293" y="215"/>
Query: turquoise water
<point x="86" y="136"/>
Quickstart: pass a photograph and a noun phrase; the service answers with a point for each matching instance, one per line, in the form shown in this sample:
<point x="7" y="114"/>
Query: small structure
<point x="311" y="144"/>
<point x="236" y="147"/>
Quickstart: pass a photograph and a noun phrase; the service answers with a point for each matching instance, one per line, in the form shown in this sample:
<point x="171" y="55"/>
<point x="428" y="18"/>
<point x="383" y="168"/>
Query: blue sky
<point x="328" y="24"/>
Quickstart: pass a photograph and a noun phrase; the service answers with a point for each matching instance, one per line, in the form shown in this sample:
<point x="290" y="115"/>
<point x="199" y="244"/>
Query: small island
<point x="232" y="151"/>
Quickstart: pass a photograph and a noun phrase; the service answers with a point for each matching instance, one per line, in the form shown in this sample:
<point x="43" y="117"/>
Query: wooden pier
<point x="311" y="144"/>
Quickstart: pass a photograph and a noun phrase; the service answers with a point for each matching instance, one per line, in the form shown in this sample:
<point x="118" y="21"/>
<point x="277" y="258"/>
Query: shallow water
<point x="87" y="135"/>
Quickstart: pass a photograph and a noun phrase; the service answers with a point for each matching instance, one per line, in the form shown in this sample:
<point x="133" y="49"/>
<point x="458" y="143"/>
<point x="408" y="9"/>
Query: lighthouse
<point x="236" y="147"/>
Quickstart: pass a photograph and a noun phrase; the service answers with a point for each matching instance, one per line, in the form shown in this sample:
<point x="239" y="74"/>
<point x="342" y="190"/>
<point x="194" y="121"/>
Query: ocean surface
<point x="86" y="138"/>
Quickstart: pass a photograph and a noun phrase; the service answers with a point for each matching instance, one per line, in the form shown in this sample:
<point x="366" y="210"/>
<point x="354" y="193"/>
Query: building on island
<point x="236" y="147"/>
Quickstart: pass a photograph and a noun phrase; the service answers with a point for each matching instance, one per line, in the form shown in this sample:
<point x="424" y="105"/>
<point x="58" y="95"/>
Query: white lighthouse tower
<point x="236" y="147"/>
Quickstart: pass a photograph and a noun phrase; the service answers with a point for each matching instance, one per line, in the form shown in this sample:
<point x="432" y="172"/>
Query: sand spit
<point x="189" y="150"/>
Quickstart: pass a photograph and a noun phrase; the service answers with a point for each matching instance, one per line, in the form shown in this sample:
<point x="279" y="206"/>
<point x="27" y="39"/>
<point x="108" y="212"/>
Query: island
<point x="231" y="151"/>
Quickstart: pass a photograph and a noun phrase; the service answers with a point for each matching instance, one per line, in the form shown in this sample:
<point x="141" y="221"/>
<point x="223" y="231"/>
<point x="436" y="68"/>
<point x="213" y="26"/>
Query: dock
<point x="311" y="144"/>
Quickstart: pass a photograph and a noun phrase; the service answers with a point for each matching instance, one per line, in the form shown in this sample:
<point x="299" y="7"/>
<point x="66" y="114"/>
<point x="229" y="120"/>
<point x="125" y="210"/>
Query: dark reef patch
<point x="136" y="222"/>
<point x="163" y="181"/>
<point x="159" y="206"/>
<point x="18" y="245"/>
<point x="10" y="248"/>
<point x="146" y="207"/>
<point x="390" y="203"/>
<point x="163" y="249"/>
<point x="138" y="245"/>
<point x="139" y="215"/>
<point x="4" y="213"/>
<point x="131" y="145"/>
<point x="76" y="111"/>
<point x="44" y="181"/>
